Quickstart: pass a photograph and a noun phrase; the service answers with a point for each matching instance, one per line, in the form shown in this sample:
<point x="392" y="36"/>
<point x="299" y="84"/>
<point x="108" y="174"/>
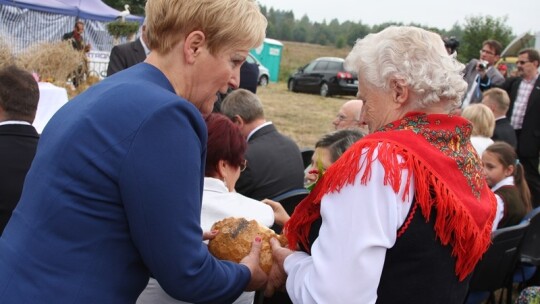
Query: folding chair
<point x="496" y="267"/>
<point x="529" y="252"/>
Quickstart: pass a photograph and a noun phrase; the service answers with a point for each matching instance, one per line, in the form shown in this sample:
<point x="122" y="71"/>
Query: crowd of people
<point x="116" y="202"/>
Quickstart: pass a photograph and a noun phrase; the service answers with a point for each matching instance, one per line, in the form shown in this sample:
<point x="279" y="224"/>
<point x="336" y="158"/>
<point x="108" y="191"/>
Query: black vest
<point x="418" y="268"/>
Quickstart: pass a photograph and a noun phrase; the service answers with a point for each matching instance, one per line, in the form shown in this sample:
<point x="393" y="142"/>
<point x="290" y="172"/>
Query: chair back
<point x="289" y="200"/>
<point x="497" y="265"/>
<point x="307" y="153"/>
<point x="530" y="246"/>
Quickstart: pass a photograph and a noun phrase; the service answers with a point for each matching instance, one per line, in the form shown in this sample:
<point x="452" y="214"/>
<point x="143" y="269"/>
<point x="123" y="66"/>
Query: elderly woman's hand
<point x="277" y="276"/>
<point x="280" y="214"/>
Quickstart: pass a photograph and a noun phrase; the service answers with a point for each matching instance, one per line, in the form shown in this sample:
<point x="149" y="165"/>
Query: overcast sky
<point x="522" y="15"/>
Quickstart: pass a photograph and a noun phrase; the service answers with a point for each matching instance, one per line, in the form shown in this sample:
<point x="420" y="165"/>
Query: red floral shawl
<point x="447" y="176"/>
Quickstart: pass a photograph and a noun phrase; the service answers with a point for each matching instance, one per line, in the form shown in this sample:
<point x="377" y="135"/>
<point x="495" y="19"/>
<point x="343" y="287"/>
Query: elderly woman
<point x="405" y="211"/>
<point x="114" y="192"/>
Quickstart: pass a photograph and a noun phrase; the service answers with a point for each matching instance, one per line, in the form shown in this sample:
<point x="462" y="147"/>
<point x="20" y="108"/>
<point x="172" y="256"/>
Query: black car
<point x="325" y="76"/>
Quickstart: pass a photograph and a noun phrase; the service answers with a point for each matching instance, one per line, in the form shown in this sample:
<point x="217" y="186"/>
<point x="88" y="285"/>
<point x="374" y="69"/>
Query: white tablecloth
<point x="51" y="98"/>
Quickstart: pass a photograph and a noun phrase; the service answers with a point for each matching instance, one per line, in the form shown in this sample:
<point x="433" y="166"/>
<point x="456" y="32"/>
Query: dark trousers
<point x="532" y="174"/>
<point x="533" y="178"/>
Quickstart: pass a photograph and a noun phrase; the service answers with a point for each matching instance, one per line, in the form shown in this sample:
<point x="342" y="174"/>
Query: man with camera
<point x="481" y="74"/>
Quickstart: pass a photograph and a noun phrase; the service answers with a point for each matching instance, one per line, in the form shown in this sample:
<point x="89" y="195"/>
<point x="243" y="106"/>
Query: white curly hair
<point x="413" y="56"/>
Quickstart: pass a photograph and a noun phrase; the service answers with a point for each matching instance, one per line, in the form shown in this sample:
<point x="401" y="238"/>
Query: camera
<point x="451" y="44"/>
<point x="482" y="64"/>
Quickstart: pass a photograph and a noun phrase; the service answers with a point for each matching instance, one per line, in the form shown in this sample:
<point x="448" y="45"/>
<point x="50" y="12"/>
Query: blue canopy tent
<point x="49" y="6"/>
<point x="87" y="9"/>
<point x="97" y="10"/>
<point x="27" y="22"/>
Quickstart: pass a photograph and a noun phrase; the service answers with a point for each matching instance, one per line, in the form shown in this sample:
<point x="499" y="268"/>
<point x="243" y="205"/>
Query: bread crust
<point x="233" y="242"/>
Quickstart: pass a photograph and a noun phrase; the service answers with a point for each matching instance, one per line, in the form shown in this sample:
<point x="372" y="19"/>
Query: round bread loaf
<point x="235" y="237"/>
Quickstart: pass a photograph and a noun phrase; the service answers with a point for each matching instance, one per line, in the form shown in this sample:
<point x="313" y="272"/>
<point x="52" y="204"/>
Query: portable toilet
<point x="269" y="54"/>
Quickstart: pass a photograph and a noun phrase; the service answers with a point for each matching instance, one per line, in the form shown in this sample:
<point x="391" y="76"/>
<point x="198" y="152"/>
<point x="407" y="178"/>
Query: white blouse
<point x="507" y="181"/>
<point x="359" y="224"/>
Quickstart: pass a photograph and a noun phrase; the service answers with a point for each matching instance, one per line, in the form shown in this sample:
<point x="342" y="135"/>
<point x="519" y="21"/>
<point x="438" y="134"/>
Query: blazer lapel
<point x="535" y="94"/>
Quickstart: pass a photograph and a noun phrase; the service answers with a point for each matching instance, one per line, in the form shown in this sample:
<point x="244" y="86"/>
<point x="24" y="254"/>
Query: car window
<point x="321" y="66"/>
<point x="309" y="67"/>
<point x="335" y="66"/>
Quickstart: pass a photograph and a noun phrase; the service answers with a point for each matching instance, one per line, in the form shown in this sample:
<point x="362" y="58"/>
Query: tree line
<point x="283" y="25"/>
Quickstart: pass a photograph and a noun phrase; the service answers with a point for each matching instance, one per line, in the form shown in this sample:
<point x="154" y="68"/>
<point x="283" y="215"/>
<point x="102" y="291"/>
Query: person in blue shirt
<point x="114" y="193"/>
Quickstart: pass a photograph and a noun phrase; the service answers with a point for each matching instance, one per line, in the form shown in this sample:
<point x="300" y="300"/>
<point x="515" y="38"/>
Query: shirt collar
<point x="214" y="185"/>
<point x="533" y="80"/>
<point x="14" y="122"/>
<point x="257" y="129"/>
<point x="146" y="49"/>
<point x="507" y="181"/>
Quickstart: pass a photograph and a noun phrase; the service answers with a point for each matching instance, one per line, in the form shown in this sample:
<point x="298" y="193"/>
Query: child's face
<point x="321" y="157"/>
<point x="494" y="169"/>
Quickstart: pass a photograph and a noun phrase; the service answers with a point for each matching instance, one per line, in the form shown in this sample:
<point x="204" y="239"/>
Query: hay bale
<point x="6" y="55"/>
<point x="54" y="62"/>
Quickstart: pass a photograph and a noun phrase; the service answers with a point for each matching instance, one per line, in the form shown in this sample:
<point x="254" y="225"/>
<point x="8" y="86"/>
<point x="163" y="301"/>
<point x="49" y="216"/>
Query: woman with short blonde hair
<point x="114" y="194"/>
<point x="483" y="122"/>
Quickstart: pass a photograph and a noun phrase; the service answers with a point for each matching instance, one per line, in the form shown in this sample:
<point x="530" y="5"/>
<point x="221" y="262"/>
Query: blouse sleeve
<point x="358" y="225"/>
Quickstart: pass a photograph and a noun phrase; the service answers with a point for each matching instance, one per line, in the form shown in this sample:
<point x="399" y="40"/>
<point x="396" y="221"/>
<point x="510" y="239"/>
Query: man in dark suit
<point x="249" y="76"/>
<point x="19" y="96"/>
<point x="274" y="162"/>
<point x="524" y="114"/>
<point x="128" y="54"/>
<point x="481" y="74"/>
<point x="498" y="101"/>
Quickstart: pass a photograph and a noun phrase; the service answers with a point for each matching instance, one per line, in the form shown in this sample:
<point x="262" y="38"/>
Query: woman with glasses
<point x="224" y="162"/>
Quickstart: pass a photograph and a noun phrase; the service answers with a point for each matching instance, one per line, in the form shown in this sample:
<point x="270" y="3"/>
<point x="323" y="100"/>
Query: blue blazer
<point x="113" y="196"/>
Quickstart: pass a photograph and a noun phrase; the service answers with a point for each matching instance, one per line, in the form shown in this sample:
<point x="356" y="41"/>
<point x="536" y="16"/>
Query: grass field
<point x="303" y="117"/>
